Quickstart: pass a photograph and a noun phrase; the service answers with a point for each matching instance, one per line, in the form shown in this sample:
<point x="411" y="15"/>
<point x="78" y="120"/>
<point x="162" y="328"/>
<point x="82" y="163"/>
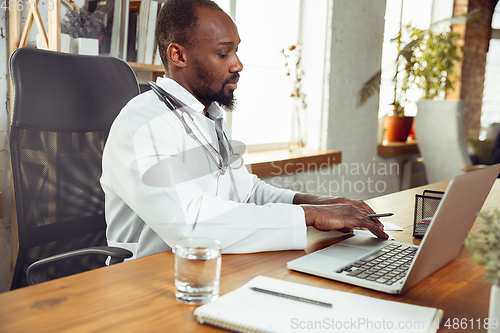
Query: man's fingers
<point x="376" y="227"/>
<point x="380" y="234"/>
<point x="345" y="217"/>
<point x="361" y="210"/>
<point x="363" y="205"/>
<point x="345" y="230"/>
<point x="368" y="208"/>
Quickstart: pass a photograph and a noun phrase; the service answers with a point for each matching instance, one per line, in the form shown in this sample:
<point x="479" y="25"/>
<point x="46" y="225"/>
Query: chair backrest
<point x="64" y="105"/>
<point x="439" y="129"/>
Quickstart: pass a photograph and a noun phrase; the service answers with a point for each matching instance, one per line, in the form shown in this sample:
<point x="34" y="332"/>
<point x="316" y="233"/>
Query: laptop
<point x="393" y="267"/>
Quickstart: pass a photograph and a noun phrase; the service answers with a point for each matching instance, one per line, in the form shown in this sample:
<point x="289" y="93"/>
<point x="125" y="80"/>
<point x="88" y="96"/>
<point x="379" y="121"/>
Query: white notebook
<point x="246" y="310"/>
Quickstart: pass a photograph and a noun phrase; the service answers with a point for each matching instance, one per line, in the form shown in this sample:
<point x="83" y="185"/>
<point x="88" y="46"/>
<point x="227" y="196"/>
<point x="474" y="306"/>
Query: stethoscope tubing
<point x="219" y="162"/>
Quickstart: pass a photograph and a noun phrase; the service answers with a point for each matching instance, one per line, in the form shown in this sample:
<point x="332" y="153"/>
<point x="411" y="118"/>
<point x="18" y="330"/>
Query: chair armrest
<point x="37" y="271"/>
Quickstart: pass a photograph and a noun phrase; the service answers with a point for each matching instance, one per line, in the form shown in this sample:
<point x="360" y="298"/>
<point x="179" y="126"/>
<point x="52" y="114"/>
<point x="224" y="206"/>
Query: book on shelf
<point x="132" y="31"/>
<point x="142" y="30"/>
<point x="103" y="10"/>
<point x="120" y="29"/>
<point x="148" y="13"/>
<point x="157" y="60"/>
<point x="292" y="307"/>
<point x="150" y="33"/>
<point x="132" y="36"/>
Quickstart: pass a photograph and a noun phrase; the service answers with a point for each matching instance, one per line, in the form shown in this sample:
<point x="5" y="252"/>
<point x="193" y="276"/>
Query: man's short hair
<point x="177" y="23"/>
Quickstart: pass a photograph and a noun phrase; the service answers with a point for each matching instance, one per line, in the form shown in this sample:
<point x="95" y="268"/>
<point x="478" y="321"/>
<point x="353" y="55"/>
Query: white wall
<point x="357" y="36"/>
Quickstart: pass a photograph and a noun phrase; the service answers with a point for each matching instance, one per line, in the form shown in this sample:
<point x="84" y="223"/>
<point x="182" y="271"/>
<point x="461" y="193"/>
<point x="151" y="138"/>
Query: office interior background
<point x="343" y="43"/>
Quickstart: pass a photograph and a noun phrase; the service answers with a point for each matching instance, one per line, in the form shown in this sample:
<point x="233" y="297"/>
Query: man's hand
<point x="313" y="199"/>
<point x="342" y="214"/>
<point x="343" y="217"/>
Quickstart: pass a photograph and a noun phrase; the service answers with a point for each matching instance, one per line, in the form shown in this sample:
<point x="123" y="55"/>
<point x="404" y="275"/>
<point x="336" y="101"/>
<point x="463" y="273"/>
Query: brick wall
<point x="476" y="41"/>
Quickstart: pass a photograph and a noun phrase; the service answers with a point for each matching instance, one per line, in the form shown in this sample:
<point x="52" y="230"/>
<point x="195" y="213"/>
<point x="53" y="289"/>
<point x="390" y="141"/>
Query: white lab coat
<point x="158" y="182"/>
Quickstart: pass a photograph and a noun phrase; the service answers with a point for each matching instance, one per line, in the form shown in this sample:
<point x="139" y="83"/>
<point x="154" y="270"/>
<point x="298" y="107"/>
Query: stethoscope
<point x="222" y="161"/>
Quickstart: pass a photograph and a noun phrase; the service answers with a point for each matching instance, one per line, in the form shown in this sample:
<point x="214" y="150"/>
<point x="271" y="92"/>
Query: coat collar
<point x="213" y="111"/>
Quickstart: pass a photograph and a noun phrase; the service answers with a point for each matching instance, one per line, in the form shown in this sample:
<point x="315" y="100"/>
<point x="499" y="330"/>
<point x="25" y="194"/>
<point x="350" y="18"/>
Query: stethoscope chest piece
<point x="235" y="160"/>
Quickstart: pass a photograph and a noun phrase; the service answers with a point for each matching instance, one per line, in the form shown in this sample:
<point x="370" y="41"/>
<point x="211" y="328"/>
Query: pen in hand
<point x="379" y="215"/>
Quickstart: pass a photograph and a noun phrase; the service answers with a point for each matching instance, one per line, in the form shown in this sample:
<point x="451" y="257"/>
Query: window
<point x="263" y="113"/>
<point x="398" y="14"/>
<point x="490" y="112"/>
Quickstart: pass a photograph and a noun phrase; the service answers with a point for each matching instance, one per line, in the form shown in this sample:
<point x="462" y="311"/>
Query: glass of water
<point x="197" y="270"/>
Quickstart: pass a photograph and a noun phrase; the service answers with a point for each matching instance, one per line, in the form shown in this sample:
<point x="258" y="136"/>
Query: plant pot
<point x="87" y="46"/>
<point x="412" y="134"/>
<point x="397" y="128"/>
<point x="494" y="311"/>
<point x="65" y="43"/>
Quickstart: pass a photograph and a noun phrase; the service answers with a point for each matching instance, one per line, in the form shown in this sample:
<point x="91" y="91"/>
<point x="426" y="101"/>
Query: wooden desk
<point x="139" y="295"/>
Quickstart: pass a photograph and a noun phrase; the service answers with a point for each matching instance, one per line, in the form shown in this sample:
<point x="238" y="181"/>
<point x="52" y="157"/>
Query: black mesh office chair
<point x="64" y="105"/>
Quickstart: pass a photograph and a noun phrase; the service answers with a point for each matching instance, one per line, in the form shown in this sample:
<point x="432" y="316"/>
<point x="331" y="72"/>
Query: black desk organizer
<point x="425" y="207"/>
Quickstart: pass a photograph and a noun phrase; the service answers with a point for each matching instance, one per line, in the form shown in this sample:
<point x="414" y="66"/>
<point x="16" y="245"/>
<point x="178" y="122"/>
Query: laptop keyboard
<point x="386" y="266"/>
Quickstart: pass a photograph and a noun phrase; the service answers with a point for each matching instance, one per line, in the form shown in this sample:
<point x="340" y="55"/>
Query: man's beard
<point x="226" y="101"/>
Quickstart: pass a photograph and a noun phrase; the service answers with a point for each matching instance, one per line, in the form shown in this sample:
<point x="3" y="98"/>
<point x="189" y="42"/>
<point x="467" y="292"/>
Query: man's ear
<point x="176" y="53"/>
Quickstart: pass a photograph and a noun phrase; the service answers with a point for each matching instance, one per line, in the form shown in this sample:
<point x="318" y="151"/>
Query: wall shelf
<point x="145" y="72"/>
<point x="282" y="162"/>
<point x="145" y="67"/>
<point x="393" y="149"/>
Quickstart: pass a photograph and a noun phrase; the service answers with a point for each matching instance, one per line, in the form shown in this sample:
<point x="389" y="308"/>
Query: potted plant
<point x="485" y="248"/>
<point x="426" y="60"/>
<point x="293" y="65"/>
<point x="397" y="125"/>
<point x="85" y="28"/>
